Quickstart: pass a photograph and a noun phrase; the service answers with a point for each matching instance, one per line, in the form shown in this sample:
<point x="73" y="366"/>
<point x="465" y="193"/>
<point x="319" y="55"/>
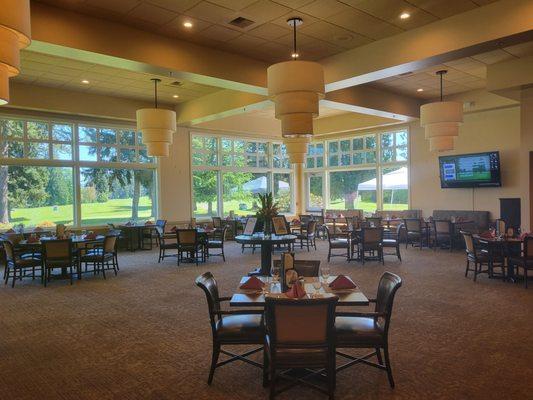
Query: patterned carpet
<point x="145" y="335"/>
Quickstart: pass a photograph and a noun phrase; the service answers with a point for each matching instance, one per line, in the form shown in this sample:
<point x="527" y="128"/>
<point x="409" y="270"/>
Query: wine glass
<point x="317" y="285"/>
<point x="274" y="271"/>
<point x="324" y="271"/>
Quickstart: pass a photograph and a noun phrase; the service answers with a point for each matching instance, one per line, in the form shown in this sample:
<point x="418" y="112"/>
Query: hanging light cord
<point x="294" y="35"/>
<point x="156" y="81"/>
<point x="440" y="87"/>
<point x="441" y="74"/>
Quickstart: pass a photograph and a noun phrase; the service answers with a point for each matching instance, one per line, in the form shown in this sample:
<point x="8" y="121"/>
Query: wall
<point x="482" y="131"/>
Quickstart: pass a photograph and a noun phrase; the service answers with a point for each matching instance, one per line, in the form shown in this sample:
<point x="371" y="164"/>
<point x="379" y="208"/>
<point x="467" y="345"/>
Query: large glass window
<point x="40" y="161"/>
<point x="352" y="167"/>
<point x="244" y="168"/>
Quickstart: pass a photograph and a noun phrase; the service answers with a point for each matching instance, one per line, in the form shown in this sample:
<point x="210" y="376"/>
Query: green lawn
<point x="112" y="211"/>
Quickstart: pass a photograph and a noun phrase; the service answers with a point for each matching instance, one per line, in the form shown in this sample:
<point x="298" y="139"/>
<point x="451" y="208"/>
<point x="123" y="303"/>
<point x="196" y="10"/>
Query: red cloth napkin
<point x="253" y="283"/>
<point x="297" y="291"/>
<point x="174" y="229"/>
<point x="33" y="239"/>
<point x="342" y="282"/>
<point x="525" y="235"/>
<point x="90" y="236"/>
<point x="296" y="221"/>
<point x="487" y="235"/>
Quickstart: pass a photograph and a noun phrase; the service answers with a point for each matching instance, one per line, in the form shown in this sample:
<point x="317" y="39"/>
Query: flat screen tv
<point x="470" y="170"/>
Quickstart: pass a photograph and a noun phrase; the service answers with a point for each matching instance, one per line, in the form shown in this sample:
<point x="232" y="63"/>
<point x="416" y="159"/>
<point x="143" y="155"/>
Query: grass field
<point x="112" y="211"/>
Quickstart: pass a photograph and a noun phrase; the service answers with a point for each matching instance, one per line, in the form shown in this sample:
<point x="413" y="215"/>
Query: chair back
<point x="501" y="227"/>
<point x="374" y="221"/>
<point x="469" y="243"/>
<point x="161" y="223"/>
<point x="528" y="247"/>
<point x="412" y="225"/>
<point x="60" y="230"/>
<point x="110" y="244"/>
<point x="442" y="226"/>
<point x="208" y="284"/>
<point x="371" y="236"/>
<point x="305" y="218"/>
<point x="387" y="288"/>
<point x="13" y="238"/>
<point x="354" y="221"/>
<point x="192" y="225"/>
<point x="308" y="323"/>
<point x="57" y="250"/>
<point x="186" y="236"/>
<point x="311" y="228"/>
<point x="319" y="219"/>
<point x="8" y="250"/>
<point x="217" y="222"/>
<point x="306" y="268"/>
<point x="220" y="234"/>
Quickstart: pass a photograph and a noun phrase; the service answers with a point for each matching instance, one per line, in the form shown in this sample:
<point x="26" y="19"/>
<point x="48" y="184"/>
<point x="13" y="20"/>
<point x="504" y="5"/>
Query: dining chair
<point x="371" y="241"/>
<point x="217" y="242"/>
<point x="393" y="241"/>
<point x="230" y="328"/>
<point x="306" y="268"/>
<point x="217" y="222"/>
<point x="299" y="334"/>
<point x="58" y="254"/>
<point x="188" y="242"/>
<point x="374" y="222"/>
<point x="416" y="232"/>
<point x="443" y="233"/>
<point x="320" y="227"/>
<point x="525" y="261"/>
<point x="369" y="330"/>
<point x="337" y="243"/>
<point x="102" y="256"/>
<point x="16" y="264"/>
<point x="481" y="257"/>
<point x="308" y="235"/>
<point x="167" y="241"/>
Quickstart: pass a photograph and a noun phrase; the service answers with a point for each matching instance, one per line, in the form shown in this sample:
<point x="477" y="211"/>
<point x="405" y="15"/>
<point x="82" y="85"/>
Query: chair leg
<point x="214" y="360"/>
<point x="331" y="380"/>
<point x="525" y="276"/>
<point x="398" y="252"/>
<point x="272" y="393"/>
<point x="467" y="267"/>
<point x="329" y="254"/>
<point x="389" y="369"/>
<point x="475" y="271"/>
<point x="378" y="355"/>
<point x="265" y="368"/>
<point x="14" y="277"/>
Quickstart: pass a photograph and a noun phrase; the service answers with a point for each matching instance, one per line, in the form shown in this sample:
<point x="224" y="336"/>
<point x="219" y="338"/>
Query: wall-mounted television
<point x="470" y="170"/>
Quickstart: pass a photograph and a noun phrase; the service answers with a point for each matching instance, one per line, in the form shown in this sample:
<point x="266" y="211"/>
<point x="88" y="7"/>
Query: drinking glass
<point x="317" y="285"/>
<point x="324" y="271"/>
<point x="275" y="274"/>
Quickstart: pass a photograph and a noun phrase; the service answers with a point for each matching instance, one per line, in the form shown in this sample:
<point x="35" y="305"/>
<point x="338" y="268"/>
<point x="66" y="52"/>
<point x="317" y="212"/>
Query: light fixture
<point x="441" y="121"/>
<point x="187" y="24"/>
<point x="420" y="90"/>
<point x="295" y="55"/>
<point x="85" y="82"/>
<point x="157" y="127"/>
<point x="175" y="96"/>
<point x="15" y="34"/>
<point x="296" y="88"/>
<point x="404" y="15"/>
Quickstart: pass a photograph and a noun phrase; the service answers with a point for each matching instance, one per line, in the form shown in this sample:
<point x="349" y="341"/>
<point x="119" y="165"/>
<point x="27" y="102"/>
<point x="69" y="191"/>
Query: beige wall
<point x="481" y="131"/>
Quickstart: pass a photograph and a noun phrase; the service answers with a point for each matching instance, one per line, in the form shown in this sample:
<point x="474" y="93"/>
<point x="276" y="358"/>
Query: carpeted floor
<point x="145" y="335"/>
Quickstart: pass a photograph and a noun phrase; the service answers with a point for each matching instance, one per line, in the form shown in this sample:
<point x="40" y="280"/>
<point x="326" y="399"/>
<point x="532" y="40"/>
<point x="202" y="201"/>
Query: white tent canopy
<point x="394" y="180"/>
<point x="260" y="185"/>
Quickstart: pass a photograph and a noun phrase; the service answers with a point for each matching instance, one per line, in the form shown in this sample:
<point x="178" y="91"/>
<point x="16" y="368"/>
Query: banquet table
<point x="247" y="298"/>
<point x="134" y="234"/>
<point x="266" y="243"/>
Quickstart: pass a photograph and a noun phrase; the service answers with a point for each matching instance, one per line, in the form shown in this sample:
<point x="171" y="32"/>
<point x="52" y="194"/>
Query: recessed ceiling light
<point x="175" y="96"/>
<point x="404" y="15"/>
<point x="187" y="24"/>
<point x="420" y="90"/>
<point x="295" y="55"/>
<point x="85" y="82"/>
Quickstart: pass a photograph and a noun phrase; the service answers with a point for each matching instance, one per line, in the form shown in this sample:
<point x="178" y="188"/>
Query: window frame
<point x="75" y="163"/>
<point x="269" y="170"/>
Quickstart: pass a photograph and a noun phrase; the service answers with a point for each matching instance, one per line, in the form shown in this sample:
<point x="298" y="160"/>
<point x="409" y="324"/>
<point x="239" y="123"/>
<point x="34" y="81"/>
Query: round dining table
<point x="266" y="242"/>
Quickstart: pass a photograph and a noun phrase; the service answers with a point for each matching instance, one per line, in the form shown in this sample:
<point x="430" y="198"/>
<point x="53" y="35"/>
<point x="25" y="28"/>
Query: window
<point x="41" y="161"/>
<point x="228" y="173"/>
<point x="349" y="178"/>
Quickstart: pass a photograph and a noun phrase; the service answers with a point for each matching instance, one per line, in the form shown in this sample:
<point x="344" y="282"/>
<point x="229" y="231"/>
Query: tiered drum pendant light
<point x="441" y="121"/>
<point x="157" y="127"/>
<point x="15" y="34"/>
<point x="296" y="88"/>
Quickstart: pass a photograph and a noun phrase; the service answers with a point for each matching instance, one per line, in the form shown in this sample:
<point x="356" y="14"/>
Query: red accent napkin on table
<point x="525" y="235"/>
<point x="342" y="282"/>
<point x="174" y="229"/>
<point x="297" y="291"/>
<point x="90" y="236"/>
<point x="253" y="283"/>
<point x="33" y="239"/>
<point x="486" y="235"/>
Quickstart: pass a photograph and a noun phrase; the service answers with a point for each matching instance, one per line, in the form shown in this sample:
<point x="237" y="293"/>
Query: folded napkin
<point x="525" y="235"/>
<point x="487" y="235"/>
<point x="149" y="223"/>
<point x="297" y="291"/>
<point x="33" y="239"/>
<point x="342" y="282"/>
<point x="90" y="236"/>
<point x="253" y="283"/>
<point x="296" y="221"/>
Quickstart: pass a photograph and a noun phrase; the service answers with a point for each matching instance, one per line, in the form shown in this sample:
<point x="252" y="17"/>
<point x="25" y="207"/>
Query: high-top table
<point x="266" y="243"/>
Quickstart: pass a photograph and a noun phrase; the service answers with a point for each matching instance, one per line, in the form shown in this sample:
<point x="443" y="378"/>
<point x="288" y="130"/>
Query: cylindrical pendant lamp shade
<point x="157" y="127"/>
<point x="295" y="76"/>
<point x="441" y="121"/>
<point x="15" y="34"/>
<point x="296" y="148"/>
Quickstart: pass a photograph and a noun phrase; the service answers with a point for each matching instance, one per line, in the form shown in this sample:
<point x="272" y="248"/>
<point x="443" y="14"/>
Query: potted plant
<point x="267" y="210"/>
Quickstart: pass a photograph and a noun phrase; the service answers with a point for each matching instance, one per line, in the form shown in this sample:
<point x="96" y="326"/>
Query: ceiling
<point x="269" y="112"/>
<point x="52" y="71"/>
<point x="463" y="75"/>
<point x="330" y="26"/>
